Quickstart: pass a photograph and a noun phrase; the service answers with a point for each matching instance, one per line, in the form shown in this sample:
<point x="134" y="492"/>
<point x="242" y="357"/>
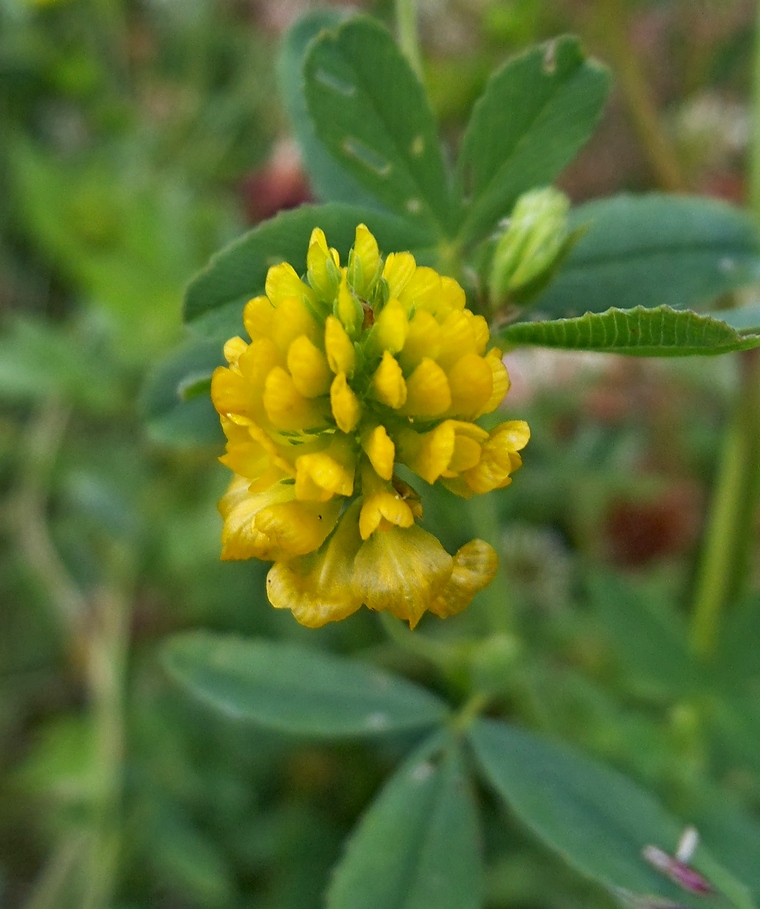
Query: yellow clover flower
<point x="349" y="372"/>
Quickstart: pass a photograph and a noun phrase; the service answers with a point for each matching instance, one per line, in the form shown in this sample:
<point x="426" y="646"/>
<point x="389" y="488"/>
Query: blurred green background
<point x="136" y="138"/>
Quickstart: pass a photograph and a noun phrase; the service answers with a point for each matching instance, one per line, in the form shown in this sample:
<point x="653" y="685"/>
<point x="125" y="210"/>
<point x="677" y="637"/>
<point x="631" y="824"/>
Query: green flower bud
<point x="536" y="240"/>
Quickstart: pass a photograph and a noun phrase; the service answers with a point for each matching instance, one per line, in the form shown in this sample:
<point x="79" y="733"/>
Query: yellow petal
<point x="423" y="340"/>
<point x="298" y="527"/>
<point x="322" y="270"/>
<point x="287" y="408"/>
<point x="283" y="282"/>
<point x="499" y="458"/>
<point x="233" y="349"/>
<point x="349" y="309"/>
<point x="500" y="382"/>
<point x="401" y="570"/>
<point x="398" y="270"/>
<point x="428" y="454"/>
<point x="345" y="405"/>
<point x="364" y="261"/>
<point x="308" y="367"/>
<point x="257" y="317"/>
<point x="427" y="391"/>
<point x="475" y="566"/>
<point x="380" y="450"/>
<point x="390" y="329"/>
<point x="471" y="383"/>
<point x="388" y="385"/>
<point x="340" y="351"/>
<point x="422" y="291"/>
<point x="457" y="338"/>
<point x="317" y="588"/>
<point x="292" y="319"/>
<point x="239" y="508"/>
<point x="323" y="474"/>
<point x="382" y="506"/>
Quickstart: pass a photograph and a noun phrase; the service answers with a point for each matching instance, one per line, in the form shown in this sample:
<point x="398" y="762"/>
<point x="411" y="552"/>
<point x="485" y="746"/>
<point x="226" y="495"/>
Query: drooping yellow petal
<point x="379" y="448"/>
<point x="471" y="383"/>
<point x="475" y="566"/>
<point x="241" y="539"/>
<point x="388" y="385"/>
<point x="308" y="367"/>
<point x="339" y="348"/>
<point x="287" y="408"/>
<point x="401" y="570"/>
<point x="346" y="408"/>
<point x="298" y="527"/>
<point x="317" y="588"/>
<point x="427" y="391"/>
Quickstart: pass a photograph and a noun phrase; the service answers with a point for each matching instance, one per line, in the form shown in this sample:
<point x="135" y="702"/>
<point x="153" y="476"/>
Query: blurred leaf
<point x="236" y="273"/>
<point x="732" y="835"/>
<point x="653" y="250"/>
<point x="417" y="845"/>
<point x="329" y="179"/>
<point x="743" y="318"/>
<point x="649" y="639"/>
<point x="737" y="658"/>
<point x="39" y="361"/>
<point x="296" y="690"/>
<point x="661" y="332"/>
<point x="371" y="112"/>
<point x="537" y="111"/>
<point x="175" y="402"/>
<point x="596" y="818"/>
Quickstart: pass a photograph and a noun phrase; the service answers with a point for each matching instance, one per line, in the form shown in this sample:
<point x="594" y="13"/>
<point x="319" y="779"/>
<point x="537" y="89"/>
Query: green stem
<point x="657" y="146"/>
<point x="730" y="534"/>
<point x="496" y="597"/>
<point x="408" y="35"/>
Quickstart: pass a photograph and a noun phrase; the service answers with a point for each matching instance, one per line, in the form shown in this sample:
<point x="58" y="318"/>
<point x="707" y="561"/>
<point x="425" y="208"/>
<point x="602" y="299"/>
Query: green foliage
<point x="653" y="250"/>
<point x="596" y="818"/>
<point x="370" y="111"/>
<point x="535" y="114"/>
<point x="659" y="332"/>
<point x="417" y="845"/>
<point x="295" y="690"/>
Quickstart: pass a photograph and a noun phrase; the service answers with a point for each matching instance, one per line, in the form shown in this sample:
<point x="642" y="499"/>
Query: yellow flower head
<point x="350" y="372"/>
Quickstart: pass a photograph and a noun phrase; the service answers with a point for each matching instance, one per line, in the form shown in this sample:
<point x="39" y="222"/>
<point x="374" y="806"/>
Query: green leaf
<point x="661" y="332"/>
<point x="293" y="689"/>
<point x="238" y="272"/>
<point x="653" y="250"/>
<point x="593" y="816"/>
<point x="417" y="845"/>
<point x="535" y="114"/>
<point x="745" y="319"/>
<point x="175" y="403"/>
<point x="650" y="640"/>
<point x="329" y="180"/>
<point x="736" y="658"/>
<point x="370" y="111"/>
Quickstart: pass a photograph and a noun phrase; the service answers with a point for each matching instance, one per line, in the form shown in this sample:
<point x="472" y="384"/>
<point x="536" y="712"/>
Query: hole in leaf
<point x="367" y="156"/>
<point x="330" y="80"/>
